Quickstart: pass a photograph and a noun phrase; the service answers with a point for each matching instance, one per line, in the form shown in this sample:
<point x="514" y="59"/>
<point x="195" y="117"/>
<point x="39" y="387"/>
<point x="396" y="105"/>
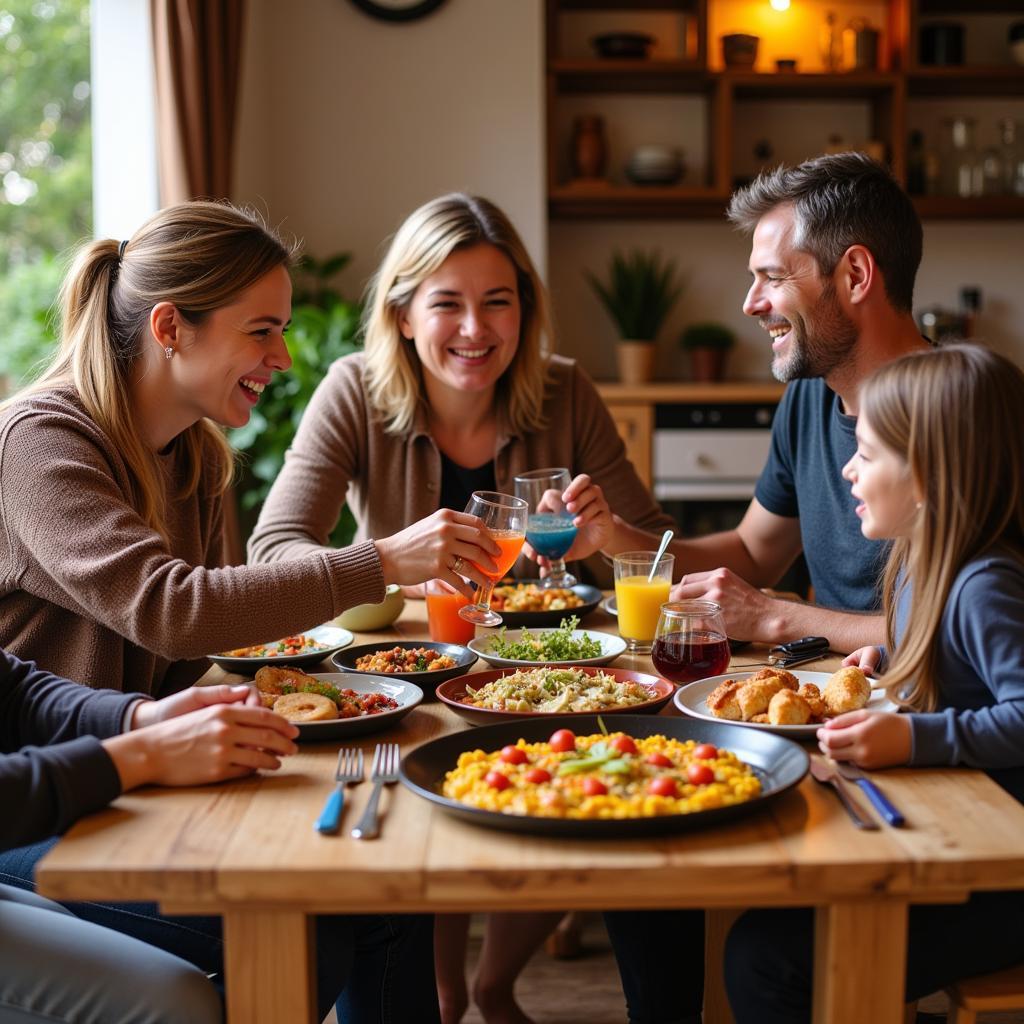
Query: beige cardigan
<point x="90" y="592"/>
<point x="341" y="451"/>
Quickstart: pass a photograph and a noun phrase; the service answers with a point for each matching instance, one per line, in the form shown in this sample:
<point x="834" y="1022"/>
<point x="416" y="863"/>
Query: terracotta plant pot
<point x="636" y="361"/>
<point x="707" y="364"/>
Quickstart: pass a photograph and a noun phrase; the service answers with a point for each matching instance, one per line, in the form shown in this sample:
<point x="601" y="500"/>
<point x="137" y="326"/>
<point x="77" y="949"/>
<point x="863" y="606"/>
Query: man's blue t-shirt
<point x="812" y="439"/>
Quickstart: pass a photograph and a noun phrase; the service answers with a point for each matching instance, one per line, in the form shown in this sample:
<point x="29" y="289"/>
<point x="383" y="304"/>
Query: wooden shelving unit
<point x="887" y="93"/>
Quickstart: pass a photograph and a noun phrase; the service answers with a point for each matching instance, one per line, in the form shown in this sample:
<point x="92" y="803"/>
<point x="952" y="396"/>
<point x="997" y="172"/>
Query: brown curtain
<point x="198" y="57"/>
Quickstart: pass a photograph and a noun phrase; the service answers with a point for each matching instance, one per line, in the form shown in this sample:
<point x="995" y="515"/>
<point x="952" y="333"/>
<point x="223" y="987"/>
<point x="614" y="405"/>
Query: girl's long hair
<point x="393" y="375"/>
<point x="954" y="416"/>
<point x="197" y="255"/>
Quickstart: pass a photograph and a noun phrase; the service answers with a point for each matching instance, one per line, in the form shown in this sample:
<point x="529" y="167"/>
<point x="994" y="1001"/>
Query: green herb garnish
<point x="551" y="645"/>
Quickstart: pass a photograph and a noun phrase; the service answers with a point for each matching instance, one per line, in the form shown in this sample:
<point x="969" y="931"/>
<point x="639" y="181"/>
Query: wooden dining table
<point x="247" y="851"/>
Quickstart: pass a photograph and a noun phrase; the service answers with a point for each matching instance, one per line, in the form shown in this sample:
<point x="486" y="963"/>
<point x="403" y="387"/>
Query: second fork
<point x="350" y="769"/>
<point x="384" y="769"/>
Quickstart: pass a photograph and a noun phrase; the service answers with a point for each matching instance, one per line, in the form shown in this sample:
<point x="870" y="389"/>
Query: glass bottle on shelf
<point x="962" y="168"/>
<point x="831" y="44"/>
<point x="1012" y="146"/>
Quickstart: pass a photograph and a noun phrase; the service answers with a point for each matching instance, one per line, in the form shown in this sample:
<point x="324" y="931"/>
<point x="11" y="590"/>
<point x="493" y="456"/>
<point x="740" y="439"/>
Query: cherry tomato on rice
<point x="705" y="752"/>
<point x="497" y="780"/>
<point x="513" y="755"/>
<point x="624" y="745"/>
<point x="536" y="776"/>
<point x="663" y="785"/>
<point x="658" y="759"/>
<point x="700" y="774"/>
<point x="594" y="787"/>
<point x="562" y="741"/>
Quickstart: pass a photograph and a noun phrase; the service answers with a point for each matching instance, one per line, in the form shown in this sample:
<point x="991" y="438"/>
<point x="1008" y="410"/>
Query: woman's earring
<point x="168" y="352"/>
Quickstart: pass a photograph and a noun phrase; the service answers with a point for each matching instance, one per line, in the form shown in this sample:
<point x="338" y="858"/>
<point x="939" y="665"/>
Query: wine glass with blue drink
<point x="549" y="528"/>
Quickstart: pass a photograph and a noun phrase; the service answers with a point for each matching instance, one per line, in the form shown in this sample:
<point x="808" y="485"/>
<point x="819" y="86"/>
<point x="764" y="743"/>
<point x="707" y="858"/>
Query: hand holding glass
<point x="690" y="642"/>
<point x="504" y="517"/>
<point x="549" y="529"/>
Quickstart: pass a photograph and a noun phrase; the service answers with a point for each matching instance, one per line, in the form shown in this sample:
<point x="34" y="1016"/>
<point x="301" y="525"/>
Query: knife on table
<point x="878" y="799"/>
<point x="824" y="771"/>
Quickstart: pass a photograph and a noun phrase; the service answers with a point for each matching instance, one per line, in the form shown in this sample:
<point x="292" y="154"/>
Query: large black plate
<point x="590" y="596"/>
<point x="779" y="763"/>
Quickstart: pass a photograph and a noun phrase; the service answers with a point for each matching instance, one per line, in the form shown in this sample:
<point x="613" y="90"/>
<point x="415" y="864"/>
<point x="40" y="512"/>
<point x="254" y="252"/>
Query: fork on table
<point x="384" y="770"/>
<point x="350" y="769"/>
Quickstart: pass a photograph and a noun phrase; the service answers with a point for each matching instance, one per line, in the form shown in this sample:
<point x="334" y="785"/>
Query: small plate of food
<point x="566" y="645"/>
<point x="335" y="705"/>
<point x="307" y="648"/>
<point x="793" y="704"/>
<point x="580" y="777"/>
<point x="423" y="662"/>
<point x="529" y="603"/>
<point x="513" y="694"/>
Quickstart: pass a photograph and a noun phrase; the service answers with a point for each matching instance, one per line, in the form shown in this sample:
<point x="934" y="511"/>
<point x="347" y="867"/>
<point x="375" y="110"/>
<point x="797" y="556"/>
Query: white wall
<point x="349" y="123"/>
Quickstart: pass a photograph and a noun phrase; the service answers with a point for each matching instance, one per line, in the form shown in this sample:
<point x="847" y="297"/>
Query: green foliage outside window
<point x="45" y="167"/>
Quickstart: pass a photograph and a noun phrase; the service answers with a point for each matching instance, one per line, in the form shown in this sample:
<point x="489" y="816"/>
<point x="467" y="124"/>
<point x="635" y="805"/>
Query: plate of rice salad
<point x="309" y="647"/>
<point x="529" y="603"/>
<point x="514" y="694"/>
<point x="409" y="660"/>
<point x="566" y="645"/>
<point x="567" y="776"/>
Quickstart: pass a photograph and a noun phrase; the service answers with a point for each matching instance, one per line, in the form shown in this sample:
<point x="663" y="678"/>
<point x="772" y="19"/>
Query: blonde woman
<point x="113" y="467"/>
<point x="457" y="391"/>
<point x="939" y="470"/>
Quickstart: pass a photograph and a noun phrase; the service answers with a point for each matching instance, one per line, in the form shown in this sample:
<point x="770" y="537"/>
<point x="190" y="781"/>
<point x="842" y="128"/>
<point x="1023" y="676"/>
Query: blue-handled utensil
<point x="878" y="799"/>
<point x="350" y="769"/>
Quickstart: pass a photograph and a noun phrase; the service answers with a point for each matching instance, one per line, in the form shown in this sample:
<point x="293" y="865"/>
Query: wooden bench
<point x="986" y="993"/>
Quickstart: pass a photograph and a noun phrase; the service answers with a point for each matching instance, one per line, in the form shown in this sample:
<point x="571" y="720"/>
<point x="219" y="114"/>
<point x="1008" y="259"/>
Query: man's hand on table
<point x="203" y="734"/>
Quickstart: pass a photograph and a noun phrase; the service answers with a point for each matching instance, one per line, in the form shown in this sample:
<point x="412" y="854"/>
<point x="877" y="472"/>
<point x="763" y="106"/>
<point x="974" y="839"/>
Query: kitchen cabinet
<point x="701" y="102"/>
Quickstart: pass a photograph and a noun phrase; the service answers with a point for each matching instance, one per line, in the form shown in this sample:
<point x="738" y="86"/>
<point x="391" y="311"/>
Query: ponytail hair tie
<point x="120" y="250"/>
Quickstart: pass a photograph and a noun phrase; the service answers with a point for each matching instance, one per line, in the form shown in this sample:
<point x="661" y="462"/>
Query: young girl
<point x="939" y="470"/>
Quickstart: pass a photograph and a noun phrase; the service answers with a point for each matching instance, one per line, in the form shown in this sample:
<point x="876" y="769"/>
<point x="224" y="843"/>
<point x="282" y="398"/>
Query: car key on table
<point x="796" y="652"/>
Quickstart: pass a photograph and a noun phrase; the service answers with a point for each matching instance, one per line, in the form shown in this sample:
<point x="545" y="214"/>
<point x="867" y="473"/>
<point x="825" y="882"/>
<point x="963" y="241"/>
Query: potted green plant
<point x="708" y="345"/>
<point x="639" y="294"/>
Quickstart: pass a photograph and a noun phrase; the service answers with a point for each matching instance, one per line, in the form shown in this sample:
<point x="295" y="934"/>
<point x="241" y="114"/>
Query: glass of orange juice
<point x="505" y="519"/>
<point x="639" y="596"/>
<point x="443" y="620"/>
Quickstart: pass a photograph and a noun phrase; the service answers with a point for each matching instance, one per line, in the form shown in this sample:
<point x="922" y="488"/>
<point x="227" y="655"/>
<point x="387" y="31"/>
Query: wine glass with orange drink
<point x="504" y="517"/>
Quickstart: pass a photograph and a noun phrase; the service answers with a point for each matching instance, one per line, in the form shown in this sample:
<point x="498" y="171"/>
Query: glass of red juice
<point x="690" y="642"/>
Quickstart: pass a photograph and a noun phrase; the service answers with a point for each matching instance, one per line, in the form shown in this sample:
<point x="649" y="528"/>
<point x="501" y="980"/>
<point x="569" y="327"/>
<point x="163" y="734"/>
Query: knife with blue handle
<point x="878" y="799"/>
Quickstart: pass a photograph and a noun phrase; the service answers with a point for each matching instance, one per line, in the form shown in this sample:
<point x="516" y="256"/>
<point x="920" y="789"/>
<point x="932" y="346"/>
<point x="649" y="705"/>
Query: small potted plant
<point x="708" y="345"/>
<point x="640" y="292"/>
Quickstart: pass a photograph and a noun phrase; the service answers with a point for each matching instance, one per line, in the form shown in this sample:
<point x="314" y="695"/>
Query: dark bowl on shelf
<point x="623" y="45"/>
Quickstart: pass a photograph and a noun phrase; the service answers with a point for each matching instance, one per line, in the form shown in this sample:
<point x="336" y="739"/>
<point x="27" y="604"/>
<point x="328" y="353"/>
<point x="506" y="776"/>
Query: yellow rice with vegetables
<point x="594" y="764"/>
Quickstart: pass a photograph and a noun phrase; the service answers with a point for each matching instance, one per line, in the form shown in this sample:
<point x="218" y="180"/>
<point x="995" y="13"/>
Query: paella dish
<point x="528" y="597"/>
<point x="304" y="698"/>
<point x="611" y="776"/>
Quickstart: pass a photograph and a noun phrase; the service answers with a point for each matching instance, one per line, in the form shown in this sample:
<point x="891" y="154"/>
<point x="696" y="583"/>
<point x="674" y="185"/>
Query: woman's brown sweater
<point x="90" y="592"/>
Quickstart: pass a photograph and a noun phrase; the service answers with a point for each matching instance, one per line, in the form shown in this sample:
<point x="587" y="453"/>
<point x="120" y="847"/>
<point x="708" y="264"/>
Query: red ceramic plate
<point x="453" y="691"/>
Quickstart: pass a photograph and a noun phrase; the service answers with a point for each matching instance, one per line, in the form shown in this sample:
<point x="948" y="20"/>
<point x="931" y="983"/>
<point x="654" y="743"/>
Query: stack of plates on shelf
<point x="655" y="165"/>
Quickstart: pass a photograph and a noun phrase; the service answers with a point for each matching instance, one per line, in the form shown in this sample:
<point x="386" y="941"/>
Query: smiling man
<point x="836" y="244"/>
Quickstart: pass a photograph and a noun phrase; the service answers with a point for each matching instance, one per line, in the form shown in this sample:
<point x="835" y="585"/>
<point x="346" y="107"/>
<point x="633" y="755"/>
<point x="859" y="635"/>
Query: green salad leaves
<point x="551" y="645"/>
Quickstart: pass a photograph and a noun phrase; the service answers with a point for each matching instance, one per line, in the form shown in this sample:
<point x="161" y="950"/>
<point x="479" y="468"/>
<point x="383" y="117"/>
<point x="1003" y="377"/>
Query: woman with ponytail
<point x="113" y="468"/>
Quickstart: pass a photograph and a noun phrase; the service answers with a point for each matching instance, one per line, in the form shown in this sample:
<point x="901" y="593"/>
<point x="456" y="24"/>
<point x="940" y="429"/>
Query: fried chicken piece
<point x="721" y="702"/>
<point x="761" y="719"/>
<point x="788" y="708"/>
<point x="271" y="679"/>
<point x="847" y="690"/>
<point x="788" y="680"/>
<point x="812" y="696"/>
<point x="755" y="694"/>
